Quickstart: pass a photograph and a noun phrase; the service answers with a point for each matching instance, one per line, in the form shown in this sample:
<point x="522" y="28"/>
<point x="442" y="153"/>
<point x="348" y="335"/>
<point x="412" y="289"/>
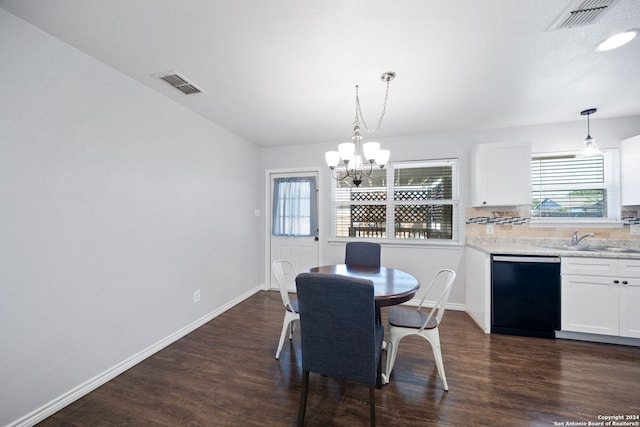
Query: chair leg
<point x="392" y="349"/>
<point x="437" y="355"/>
<point x="379" y="380"/>
<point x="372" y="406"/>
<point x="303" y="398"/>
<point x="292" y="327"/>
<point x="285" y="328"/>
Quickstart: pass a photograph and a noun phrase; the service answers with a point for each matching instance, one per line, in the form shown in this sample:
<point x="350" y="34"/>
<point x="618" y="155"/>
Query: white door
<point x="629" y="313"/>
<point x="298" y="243"/>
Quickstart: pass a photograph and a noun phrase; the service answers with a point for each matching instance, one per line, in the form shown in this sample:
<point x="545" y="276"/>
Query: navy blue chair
<point x="339" y="334"/>
<point x="362" y="253"/>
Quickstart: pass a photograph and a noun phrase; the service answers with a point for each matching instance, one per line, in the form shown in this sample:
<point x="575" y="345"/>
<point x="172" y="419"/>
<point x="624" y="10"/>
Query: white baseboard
<point x="85" y="388"/>
<point x="607" y="339"/>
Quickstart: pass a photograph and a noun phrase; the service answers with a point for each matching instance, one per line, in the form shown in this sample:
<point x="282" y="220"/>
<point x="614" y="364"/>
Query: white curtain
<point x="295" y="210"/>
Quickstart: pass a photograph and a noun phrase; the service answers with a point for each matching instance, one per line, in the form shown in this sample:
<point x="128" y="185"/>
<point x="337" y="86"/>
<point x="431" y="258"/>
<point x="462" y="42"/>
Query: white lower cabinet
<point x="629" y="311"/>
<point x="601" y="296"/>
<point x="478" y="288"/>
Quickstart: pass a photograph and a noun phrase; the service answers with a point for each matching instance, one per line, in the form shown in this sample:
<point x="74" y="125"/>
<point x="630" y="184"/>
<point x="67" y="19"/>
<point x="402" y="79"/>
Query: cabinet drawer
<point x="590" y="266"/>
<point x="628" y="268"/>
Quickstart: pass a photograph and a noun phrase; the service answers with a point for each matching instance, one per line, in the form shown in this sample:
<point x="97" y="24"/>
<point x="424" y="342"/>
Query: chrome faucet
<point x="575" y="239"/>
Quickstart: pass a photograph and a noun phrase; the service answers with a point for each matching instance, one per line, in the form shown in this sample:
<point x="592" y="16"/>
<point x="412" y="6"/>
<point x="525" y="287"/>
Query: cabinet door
<point x="478" y="285"/>
<point x="501" y="174"/>
<point x="629" y="312"/>
<point x="590" y="304"/>
<point x="629" y="177"/>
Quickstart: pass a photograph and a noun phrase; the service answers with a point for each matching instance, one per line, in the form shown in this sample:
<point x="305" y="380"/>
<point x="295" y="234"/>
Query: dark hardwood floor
<point x="225" y="374"/>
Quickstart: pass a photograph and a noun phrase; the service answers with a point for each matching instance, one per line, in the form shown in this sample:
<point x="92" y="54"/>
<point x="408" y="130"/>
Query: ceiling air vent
<point x="180" y="83"/>
<point x="582" y="12"/>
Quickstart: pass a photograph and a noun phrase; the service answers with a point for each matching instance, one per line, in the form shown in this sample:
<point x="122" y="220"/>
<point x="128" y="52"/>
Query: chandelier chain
<point x="360" y="117"/>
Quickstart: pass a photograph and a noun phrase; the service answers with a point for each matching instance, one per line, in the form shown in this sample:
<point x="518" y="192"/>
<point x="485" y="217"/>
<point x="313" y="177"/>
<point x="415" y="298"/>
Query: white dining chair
<point x="285" y="273"/>
<point x="405" y="321"/>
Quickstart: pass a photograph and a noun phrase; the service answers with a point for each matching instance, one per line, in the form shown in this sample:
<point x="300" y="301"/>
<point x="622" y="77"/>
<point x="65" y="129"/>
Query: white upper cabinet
<point x="630" y="174"/>
<point x="501" y="174"/>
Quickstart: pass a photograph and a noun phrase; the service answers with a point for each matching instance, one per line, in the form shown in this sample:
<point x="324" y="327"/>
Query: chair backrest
<point x="282" y="269"/>
<point x="339" y="335"/>
<point x="362" y="253"/>
<point x="447" y="277"/>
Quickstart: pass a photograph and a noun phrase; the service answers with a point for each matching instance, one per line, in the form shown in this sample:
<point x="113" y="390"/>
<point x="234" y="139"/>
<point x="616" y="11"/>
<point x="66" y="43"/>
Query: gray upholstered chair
<point x="405" y="321"/>
<point x="362" y="253"/>
<point x="340" y="337"/>
<point x="280" y="268"/>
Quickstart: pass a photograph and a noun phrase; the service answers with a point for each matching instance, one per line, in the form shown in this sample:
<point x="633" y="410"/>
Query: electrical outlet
<point x="634" y="229"/>
<point x="489" y="228"/>
<point x="196" y="296"/>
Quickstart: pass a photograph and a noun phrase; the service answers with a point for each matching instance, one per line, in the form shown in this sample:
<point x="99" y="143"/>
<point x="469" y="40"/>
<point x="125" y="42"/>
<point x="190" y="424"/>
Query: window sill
<point x="576" y="222"/>
<point x="424" y="243"/>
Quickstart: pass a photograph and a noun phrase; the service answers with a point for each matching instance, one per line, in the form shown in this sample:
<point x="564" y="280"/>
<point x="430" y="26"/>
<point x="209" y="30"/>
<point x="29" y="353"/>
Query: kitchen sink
<point x="612" y="249"/>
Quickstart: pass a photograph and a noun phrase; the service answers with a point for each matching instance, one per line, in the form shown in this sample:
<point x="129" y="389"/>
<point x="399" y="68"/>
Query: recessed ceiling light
<point x="617" y="40"/>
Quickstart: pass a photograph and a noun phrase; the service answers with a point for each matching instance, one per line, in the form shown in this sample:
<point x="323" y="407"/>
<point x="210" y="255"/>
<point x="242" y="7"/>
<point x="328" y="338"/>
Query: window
<point x="294" y="207"/>
<point x="409" y="201"/>
<point x="570" y="186"/>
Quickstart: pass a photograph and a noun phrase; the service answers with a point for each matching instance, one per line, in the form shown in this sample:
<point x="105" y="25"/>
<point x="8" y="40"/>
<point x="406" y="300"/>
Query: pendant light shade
<point x="370" y="150"/>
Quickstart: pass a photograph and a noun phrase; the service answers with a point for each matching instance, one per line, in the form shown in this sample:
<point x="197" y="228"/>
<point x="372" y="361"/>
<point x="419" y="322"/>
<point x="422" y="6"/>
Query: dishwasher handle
<point x="527" y="259"/>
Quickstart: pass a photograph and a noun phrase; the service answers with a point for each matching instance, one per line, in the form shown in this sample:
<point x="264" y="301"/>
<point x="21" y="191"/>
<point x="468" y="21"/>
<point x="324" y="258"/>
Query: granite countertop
<point x="551" y="247"/>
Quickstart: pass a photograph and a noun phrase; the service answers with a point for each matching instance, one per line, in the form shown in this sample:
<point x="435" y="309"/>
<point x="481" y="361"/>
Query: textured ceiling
<point x="280" y="72"/>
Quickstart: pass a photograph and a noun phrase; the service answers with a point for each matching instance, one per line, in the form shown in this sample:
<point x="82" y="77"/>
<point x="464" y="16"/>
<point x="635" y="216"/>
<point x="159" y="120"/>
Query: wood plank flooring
<point x="225" y="374"/>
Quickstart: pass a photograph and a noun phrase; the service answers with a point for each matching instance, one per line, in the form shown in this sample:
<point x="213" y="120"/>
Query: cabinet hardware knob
<point x="616" y="281"/>
<point x="624" y="282"/>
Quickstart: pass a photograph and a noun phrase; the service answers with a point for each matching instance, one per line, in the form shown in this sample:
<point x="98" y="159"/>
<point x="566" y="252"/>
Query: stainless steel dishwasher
<point x="525" y="295"/>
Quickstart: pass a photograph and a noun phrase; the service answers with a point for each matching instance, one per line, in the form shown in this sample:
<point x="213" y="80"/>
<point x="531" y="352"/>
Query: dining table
<point x="391" y="286"/>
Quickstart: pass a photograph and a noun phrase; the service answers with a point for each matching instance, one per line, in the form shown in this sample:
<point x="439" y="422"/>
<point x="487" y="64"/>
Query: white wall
<point x="424" y="262"/>
<point x="114" y="208"/>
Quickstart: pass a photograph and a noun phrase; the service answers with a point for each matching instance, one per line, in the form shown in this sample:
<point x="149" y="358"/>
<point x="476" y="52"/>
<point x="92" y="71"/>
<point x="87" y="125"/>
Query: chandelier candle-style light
<point x="360" y="159"/>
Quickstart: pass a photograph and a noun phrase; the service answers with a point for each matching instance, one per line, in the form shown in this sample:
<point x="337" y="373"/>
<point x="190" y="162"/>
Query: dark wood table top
<point x="391" y="286"/>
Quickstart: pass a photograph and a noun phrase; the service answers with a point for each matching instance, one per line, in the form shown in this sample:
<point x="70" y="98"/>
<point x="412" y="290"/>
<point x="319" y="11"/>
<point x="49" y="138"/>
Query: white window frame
<point x="390" y="203"/>
<point x="611" y="185"/>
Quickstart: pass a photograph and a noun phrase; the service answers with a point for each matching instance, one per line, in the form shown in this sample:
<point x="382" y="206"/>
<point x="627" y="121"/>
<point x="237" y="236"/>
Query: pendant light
<point x="590" y="146"/>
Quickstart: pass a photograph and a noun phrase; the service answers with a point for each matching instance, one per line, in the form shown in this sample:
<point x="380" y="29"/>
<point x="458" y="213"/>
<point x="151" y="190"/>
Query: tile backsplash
<point x="513" y="223"/>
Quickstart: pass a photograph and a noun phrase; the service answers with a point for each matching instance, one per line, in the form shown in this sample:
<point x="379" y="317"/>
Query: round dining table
<point x="391" y="286"/>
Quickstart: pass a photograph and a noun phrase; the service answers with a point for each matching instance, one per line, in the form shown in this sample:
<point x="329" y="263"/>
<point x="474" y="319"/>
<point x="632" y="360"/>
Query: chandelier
<point x="359" y="160"/>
